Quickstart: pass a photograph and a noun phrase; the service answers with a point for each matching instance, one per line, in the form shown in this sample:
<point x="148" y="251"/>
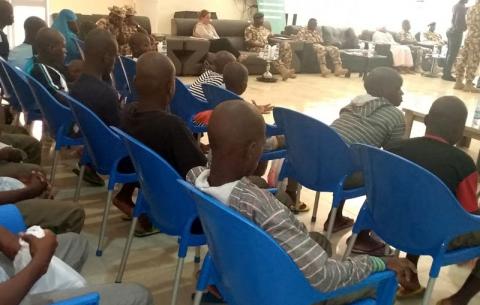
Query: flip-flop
<point x="346" y="225"/>
<point x="302" y="207"/>
<point x="142" y="233"/>
<point x="403" y="294"/>
<point x="378" y="251"/>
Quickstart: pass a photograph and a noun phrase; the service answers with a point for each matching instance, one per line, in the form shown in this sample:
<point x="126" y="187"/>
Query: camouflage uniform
<point x="261" y="34"/>
<point x="435" y="37"/>
<point x="315" y="37"/>
<point x="467" y="65"/>
<point x="407" y="38"/>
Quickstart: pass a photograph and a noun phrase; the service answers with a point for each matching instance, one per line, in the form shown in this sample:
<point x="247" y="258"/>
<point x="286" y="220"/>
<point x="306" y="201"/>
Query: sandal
<point x="403" y="294"/>
<point x="300" y="208"/>
<point x="140" y="232"/>
<point x="377" y="251"/>
<point x="346" y="224"/>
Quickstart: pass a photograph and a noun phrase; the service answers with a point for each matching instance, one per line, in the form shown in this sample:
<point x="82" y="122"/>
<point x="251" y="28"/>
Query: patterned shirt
<point x="473" y="22"/>
<point x="370" y="120"/>
<point x="263" y="209"/>
<point x="432" y="36"/>
<point x="255" y="34"/>
<point x="310" y="36"/>
<point x="207" y="77"/>
<point x="128" y="31"/>
<point x="407" y="37"/>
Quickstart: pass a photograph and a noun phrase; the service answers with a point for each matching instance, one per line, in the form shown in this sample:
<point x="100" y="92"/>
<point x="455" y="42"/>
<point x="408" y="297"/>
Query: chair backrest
<point x="6" y="84"/>
<point x="88" y="299"/>
<point x="216" y="95"/>
<point x="103" y="145"/>
<point x="184" y="104"/>
<point x="407" y="206"/>
<point x="11" y="219"/>
<point x="81" y="47"/>
<point x="22" y="88"/>
<point x="317" y="157"/>
<point x="130" y="68"/>
<point x="170" y="208"/>
<point x="58" y="116"/>
<point x="252" y="268"/>
<point x="120" y="77"/>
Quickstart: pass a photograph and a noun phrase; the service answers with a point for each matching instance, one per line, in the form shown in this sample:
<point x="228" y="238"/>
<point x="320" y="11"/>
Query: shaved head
<point x="155" y="78"/>
<point x="236" y="133"/>
<point x="139" y="44"/>
<point x="235" y="77"/>
<point x="50" y="46"/>
<point x="6" y="14"/>
<point x="447" y="118"/>
<point x="223" y="58"/>
<point x="32" y="25"/>
<point x="385" y="82"/>
<point x="101" y="50"/>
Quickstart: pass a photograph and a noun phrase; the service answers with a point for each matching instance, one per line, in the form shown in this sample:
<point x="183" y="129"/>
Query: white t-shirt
<point x="221" y="193"/>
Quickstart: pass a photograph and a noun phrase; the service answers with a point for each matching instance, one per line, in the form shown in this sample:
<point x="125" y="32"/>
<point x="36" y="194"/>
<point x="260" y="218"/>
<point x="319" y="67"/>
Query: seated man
<point x="402" y="56"/>
<point x="373" y="119"/>
<point x="149" y="121"/>
<point x="407" y="38"/>
<point x="437" y="153"/>
<point x="256" y="38"/>
<point x="432" y="36"/>
<point x="20" y="54"/>
<point x="139" y="44"/>
<point x="215" y="78"/>
<point x="70" y="248"/>
<point x="312" y="35"/>
<point x="237" y="134"/>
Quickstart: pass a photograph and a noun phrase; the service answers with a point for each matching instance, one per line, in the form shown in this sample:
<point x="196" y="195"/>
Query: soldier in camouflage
<point x="433" y="36"/>
<point x="312" y="35"/>
<point x="256" y="38"/>
<point x="467" y="65"/>
<point x="406" y="38"/>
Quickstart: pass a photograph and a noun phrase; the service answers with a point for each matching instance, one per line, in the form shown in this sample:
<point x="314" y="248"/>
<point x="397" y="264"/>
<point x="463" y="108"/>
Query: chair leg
<point x="79" y="184"/>
<point x="428" y="292"/>
<point x="197" y="255"/>
<point x="198" y="297"/>
<point x="54" y="166"/>
<point x="104" y="223"/>
<point x="333" y="215"/>
<point x="176" y="283"/>
<point x="126" y="251"/>
<point x="315" y="207"/>
<point x="350" y="245"/>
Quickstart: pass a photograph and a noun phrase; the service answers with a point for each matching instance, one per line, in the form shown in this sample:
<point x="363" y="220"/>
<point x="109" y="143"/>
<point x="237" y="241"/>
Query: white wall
<point x="86" y="6"/>
<point x="161" y="11"/>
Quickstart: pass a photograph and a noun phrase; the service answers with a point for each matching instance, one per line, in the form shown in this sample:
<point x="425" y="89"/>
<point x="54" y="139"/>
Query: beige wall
<point x="85" y="6"/>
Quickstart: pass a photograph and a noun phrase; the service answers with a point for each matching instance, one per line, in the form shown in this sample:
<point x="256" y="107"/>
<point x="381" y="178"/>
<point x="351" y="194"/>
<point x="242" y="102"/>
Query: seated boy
<point x="212" y="77"/>
<point x="70" y="248"/>
<point x="373" y="119"/>
<point x="237" y="134"/>
<point x="139" y="44"/>
<point x="436" y="152"/>
<point x="18" y="137"/>
<point x="149" y="121"/>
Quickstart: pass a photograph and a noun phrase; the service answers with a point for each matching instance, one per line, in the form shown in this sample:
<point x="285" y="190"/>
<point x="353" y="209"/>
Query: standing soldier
<point x="256" y="38"/>
<point x="310" y="34"/>
<point x="467" y="65"/>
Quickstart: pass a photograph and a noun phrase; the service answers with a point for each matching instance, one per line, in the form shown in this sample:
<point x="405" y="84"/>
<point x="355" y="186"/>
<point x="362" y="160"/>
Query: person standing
<point x="470" y="53"/>
<point x="256" y="38"/>
<point x="312" y="35"/>
<point x="6" y="19"/>
<point x="455" y="37"/>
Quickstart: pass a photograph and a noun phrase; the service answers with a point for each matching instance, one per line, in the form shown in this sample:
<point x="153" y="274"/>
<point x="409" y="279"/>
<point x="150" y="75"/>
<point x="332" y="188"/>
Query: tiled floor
<point x="152" y="260"/>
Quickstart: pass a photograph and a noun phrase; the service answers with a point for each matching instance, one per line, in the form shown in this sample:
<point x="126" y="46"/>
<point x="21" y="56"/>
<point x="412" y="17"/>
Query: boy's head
<point x="155" y="78"/>
<point x="6" y="14"/>
<point x="75" y="69"/>
<point x="447" y="118"/>
<point x="222" y="58"/>
<point x="101" y="51"/>
<point x="50" y="46"/>
<point x="32" y="25"/>
<point x="236" y="133"/>
<point x="85" y="28"/>
<point x="139" y="44"/>
<point x="235" y="77"/>
<point x="385" y="82"/>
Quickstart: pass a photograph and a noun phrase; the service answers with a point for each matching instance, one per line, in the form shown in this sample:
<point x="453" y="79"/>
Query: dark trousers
<point x="454" y="44"/>
<point x="223" y="44"/>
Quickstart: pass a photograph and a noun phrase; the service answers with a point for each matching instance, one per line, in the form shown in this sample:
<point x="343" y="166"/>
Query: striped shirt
<point x="49" y="77"/>
<point x="370" y="120"/>
<point x="207" y="77"/>
<point x="263" y="209"/>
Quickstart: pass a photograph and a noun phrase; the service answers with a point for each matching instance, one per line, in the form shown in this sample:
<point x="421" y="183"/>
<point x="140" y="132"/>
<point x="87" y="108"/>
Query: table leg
<point x="408" y="124"/>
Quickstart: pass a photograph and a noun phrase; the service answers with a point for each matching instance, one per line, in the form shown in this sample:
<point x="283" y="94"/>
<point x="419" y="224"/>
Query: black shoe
<point x="90" y="176"/>
<point x="449" y="78"/>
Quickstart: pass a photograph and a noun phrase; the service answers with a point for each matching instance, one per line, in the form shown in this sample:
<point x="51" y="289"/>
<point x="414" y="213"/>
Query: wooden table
<point x="469" y="133"/>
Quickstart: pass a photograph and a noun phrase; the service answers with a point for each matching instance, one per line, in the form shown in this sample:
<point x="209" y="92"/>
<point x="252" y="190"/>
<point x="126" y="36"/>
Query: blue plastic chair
<point x="59" y="120"/>
<point x="250" y="267"/>
<point x="171" y="210"/>
<point x="186" y="106"/>
<point x="130" y="68"/>
<point x="120" y="78"/>
<point x="105" y="149"/>
<point x="88" y="299"/>
<point x="317" y="158"/>
<point x="11" y="219"/>
<point x="23" y="92"/>
<point x="412" y="210"/>
<point x="9" y="93"/>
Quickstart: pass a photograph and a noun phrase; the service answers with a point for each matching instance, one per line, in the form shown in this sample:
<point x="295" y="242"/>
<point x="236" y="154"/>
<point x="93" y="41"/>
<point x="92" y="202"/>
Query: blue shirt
<point x="20" y="54"/>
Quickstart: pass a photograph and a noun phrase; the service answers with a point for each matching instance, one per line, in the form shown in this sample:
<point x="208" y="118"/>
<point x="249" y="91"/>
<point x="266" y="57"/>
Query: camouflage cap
<point x="116" y="10"/>
<point x="130" y="10"/>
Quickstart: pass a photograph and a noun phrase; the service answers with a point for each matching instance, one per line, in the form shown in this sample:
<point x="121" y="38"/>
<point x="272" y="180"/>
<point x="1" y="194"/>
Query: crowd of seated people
<point x="237" y="140"/>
